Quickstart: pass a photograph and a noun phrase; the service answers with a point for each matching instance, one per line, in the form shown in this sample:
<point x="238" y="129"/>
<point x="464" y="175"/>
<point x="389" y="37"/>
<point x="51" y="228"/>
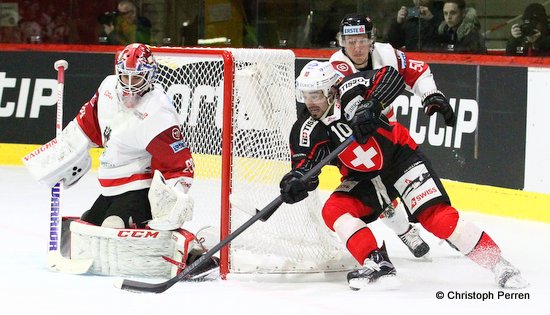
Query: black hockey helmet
<point x="357" y="24"/>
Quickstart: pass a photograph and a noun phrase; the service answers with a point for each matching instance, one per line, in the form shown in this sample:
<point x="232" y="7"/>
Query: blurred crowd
<point x="416" y="25"/>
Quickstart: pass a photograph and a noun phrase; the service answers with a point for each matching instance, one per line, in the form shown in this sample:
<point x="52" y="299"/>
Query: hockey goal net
<point x="236" y="108"/>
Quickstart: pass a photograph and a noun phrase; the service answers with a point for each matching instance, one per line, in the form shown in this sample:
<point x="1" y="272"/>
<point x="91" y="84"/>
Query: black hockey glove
<point x="293" y="189"/>
<point x="437" y="102"/>
<point x="366" y="120"/>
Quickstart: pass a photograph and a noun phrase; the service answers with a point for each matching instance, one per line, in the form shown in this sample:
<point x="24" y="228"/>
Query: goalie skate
<point x="377" y="273"/>
<point x="414" y="242"/>
<point x="209" y="270"/>
<point x="507" y="276"/>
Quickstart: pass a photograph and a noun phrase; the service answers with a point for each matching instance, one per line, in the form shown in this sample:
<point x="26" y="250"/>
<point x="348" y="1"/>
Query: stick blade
<point x="243" y="204"/>
<point x="142" y="287"/>
<point x="58" y="263"/>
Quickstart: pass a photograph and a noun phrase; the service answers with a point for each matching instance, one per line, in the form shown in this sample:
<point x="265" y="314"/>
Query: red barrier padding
<point x="493" y="59"/>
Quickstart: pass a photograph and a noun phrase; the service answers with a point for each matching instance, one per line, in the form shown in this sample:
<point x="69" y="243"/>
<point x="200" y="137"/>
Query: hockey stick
<point x="138" y="286"/>
<point x="56" y="262"/>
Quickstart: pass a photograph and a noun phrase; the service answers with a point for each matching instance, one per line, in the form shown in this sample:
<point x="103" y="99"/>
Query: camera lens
<point x="527" y="28"/>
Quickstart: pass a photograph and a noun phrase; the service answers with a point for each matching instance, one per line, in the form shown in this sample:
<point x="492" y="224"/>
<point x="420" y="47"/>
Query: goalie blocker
<point x="136" y="252"/>
<point x="65" y="159"/>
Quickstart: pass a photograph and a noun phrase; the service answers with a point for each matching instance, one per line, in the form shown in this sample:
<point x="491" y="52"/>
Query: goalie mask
<point x="355" y="24"/>
<point x="136" y="70"/>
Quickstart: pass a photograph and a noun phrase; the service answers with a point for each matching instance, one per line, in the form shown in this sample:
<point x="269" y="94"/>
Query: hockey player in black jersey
<point x="383" y="163"/>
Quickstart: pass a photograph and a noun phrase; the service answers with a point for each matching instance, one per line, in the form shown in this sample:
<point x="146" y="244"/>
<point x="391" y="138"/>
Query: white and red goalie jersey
<point x="137" y="140"/>
<point x="417" y="74"/>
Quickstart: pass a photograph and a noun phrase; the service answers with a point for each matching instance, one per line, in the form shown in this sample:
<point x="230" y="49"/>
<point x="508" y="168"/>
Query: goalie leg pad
<point x="132" y="252"/>
<point x="65" y="158"/>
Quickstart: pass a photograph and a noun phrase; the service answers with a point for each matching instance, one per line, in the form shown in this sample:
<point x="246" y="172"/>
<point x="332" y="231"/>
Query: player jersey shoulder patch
<point x="401" y="58"/>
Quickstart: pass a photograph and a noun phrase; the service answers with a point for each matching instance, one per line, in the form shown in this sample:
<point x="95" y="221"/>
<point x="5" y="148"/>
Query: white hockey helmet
<point x="316" y="76"/>
<point x="136" y="70"/>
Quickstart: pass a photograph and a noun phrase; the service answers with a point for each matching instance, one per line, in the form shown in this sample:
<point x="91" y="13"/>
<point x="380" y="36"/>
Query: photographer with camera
<point x="530" y="38"/>
<point x="416" y="27"/>
<point x="124" y="26"/>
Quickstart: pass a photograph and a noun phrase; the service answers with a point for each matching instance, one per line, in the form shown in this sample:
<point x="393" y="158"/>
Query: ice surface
<point x="29" y="287"/>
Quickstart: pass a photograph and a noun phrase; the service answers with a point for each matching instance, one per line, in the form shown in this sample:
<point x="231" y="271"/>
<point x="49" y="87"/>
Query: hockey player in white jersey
<point x="145" y="172"/>
<point x="360" y="53"/>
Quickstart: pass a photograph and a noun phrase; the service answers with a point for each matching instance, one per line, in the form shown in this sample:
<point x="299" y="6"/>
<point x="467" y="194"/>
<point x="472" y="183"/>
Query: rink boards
<point x="465" y="196"/>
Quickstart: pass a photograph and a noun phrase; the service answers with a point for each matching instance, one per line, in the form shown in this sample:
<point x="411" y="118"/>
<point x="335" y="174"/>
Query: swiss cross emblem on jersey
<point x="363" y="157"/>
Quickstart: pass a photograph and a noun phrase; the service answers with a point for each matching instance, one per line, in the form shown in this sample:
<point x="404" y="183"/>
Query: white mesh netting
<point x="294" y="239"/>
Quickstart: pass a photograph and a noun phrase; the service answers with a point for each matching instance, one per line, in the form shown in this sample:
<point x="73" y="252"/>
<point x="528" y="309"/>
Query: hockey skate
<point x="414" y="242"/>
<point x="377" y="272"/>
<point x="507" y="276"/>
<point x="207" y="271"/>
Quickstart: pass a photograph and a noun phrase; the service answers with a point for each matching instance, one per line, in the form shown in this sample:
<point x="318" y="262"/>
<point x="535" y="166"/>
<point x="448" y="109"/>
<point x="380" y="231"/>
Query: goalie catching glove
<point x="293" y="189"/>
<point x="170" y="205"/>
<point x="435" y="101"/>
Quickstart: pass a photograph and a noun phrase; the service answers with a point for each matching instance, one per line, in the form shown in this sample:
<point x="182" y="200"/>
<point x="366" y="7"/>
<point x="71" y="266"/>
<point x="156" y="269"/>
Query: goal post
<point x="236" y="108"/>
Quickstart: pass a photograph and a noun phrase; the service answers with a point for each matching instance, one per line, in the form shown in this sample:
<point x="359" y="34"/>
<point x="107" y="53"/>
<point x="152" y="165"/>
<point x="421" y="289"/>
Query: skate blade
<point x="208" y="275"/>
<point x="385" y="283"/>
<point x="427" y="257"/>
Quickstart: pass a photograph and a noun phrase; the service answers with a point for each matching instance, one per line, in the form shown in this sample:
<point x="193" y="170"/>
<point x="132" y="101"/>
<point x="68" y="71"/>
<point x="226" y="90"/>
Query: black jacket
<point x="415" y="34"/>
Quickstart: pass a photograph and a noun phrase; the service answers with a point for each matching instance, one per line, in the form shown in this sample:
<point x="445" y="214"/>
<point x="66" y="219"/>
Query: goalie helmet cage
<point x="236" y="109"/>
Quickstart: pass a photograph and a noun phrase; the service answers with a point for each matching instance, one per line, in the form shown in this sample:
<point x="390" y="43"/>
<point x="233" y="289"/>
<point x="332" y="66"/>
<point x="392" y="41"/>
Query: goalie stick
<point x="55" y="261"/>
<point x="266" y="212"/>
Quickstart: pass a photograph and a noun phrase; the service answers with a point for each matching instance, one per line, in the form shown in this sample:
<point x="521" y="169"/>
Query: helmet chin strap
<point x="330" y="100"/>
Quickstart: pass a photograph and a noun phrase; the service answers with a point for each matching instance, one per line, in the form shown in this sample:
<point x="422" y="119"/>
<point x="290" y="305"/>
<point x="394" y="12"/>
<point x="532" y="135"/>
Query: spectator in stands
<point x="460" y="31"/>
<point x="125" y="26"/>
<point x="531" y="37"/>
<point x="31" y="32"/>
<point x="416" y="26"/>
<point x="31" y="23"/>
